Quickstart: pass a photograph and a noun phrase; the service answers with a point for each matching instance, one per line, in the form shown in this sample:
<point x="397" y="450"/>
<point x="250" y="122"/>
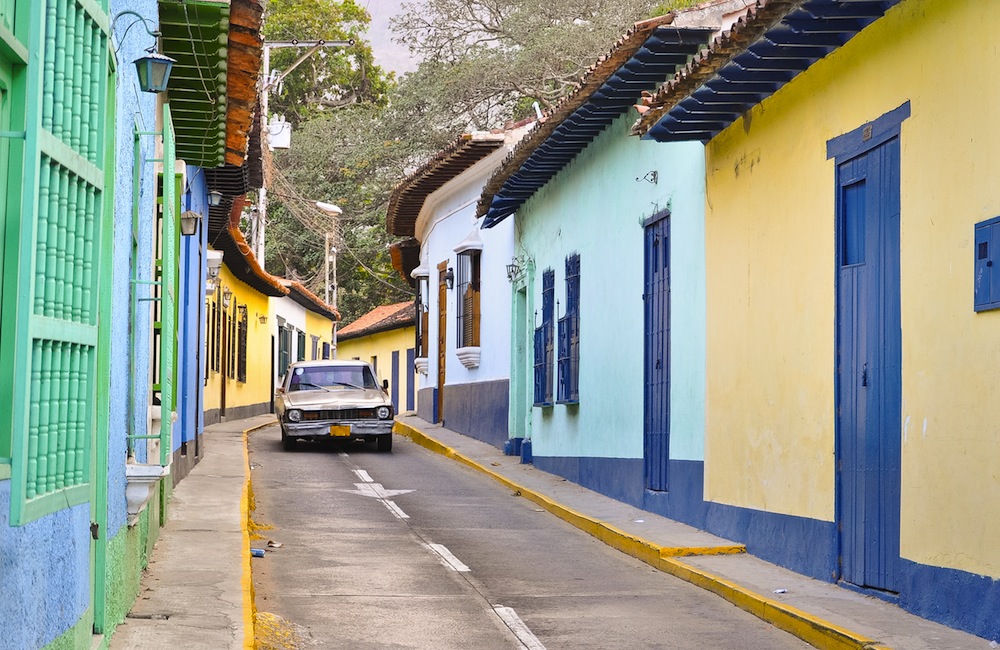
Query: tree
<point x="492" y="55"/>
<point x="484" y="62"/>
<point x="330" y="78"/>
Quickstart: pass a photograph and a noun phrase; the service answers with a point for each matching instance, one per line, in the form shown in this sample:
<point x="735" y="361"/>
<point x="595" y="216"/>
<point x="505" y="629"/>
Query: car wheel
<point x="287" y="442"/>
<point x="384" y="443"/>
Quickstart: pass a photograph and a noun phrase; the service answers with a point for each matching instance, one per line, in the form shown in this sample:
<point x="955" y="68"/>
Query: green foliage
<point x="484" y="62"/>
<point x="330" y="78"/>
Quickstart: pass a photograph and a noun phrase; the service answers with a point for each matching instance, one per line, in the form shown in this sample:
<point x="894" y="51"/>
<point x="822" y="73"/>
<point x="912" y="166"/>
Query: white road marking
<point x="375" y="490"/>
<point x="447" y="558"/>
<point x="396" y="510"/>
<point x="517" y="626"/>
<point x="363" y="475"/>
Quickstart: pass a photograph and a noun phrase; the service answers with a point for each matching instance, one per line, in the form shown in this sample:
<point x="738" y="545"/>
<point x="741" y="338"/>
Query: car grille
<point x="340" y="414"/>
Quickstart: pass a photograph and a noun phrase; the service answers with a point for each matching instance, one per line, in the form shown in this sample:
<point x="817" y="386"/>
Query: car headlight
<point x="383" y="412"/>
<point x="294" y="415"/>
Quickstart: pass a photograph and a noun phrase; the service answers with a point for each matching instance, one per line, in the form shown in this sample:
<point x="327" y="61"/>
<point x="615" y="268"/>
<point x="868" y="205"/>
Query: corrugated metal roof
<point x="647" y="55"/>
<point x="763" y="51"/>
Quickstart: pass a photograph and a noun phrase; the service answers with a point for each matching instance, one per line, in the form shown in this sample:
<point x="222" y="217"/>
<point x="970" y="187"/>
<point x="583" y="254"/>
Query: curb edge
<point x="809" y="628"/>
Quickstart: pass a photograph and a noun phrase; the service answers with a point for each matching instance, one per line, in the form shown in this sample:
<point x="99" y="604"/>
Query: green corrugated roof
<point x="196" y="34"/>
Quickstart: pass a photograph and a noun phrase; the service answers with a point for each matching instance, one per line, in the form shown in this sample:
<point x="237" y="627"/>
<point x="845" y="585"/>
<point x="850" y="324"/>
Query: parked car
<point x="333" y="400"/>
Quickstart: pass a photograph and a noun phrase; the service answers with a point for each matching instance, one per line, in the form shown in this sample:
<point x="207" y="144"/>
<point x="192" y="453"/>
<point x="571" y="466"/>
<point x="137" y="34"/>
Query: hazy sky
<point x="389" y="55"/>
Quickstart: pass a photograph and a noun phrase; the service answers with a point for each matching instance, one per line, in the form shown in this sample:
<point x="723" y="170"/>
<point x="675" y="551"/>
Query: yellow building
<point x="385" y="338"/>
<point x="851" y="204"/>
<point x="256" y="324"/>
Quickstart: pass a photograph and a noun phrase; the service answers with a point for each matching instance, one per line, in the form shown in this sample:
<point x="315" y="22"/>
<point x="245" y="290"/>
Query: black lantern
<point x="449" y="278"/>
<point x="154" y="71"/>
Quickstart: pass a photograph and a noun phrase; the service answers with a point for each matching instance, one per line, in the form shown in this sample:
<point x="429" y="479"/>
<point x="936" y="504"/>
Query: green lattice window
<point x="53" y="271"/>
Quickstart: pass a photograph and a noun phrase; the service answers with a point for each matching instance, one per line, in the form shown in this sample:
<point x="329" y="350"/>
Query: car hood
<point x="336" y="398"/>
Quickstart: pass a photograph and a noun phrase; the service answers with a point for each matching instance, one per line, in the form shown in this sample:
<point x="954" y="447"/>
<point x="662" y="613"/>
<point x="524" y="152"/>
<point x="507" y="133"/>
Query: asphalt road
<point x="413" y="550"/>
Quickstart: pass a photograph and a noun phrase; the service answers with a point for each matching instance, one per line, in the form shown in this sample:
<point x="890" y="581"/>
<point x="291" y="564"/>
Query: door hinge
<point x="95" y="530"/>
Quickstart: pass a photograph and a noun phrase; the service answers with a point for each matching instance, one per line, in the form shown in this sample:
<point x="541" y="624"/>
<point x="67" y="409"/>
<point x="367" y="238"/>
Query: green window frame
<point x="54" y="262"/>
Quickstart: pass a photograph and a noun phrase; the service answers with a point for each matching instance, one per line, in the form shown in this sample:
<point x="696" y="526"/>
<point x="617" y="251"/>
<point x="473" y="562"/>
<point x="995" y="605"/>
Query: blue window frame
<point x="544" y="335"/>
<point x="569" y="336"/>
<point x="987" y="278"/>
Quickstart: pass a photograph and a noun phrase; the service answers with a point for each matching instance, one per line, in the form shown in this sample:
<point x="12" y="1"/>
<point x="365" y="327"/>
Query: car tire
<point x="384" y="443"/>
<point x="287" y="442"/>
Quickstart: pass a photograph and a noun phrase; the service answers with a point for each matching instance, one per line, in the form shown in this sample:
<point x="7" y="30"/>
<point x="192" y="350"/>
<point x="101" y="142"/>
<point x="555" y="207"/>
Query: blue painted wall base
<point x="513" y="447"/>
<point x="478" y="410"/>
<point x="526" y="457"/>
<point x="955" y="598"/>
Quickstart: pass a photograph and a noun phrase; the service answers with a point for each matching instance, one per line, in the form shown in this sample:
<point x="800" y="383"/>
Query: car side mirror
<point x="385" y="384"/>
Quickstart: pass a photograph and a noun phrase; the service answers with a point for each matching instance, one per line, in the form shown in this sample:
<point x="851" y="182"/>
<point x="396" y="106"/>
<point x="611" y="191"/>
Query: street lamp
<point x="153" y="69"/>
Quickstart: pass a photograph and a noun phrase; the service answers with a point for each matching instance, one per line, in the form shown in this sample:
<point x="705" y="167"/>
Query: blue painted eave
<point x="656" y="60"/>
<point x="805" y="34"/>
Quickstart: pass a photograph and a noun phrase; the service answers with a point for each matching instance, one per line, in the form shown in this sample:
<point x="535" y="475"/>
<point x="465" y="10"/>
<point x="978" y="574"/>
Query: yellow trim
<point x="811" y="629"/>
<point x="246" y="582"/>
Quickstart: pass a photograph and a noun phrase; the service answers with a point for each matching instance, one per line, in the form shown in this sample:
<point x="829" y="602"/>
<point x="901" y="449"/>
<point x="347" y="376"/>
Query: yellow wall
<point x="771" y="273"/>
<point x="381" y="346"/>
<point x="322" y="327"/>
<point x="257" y="389"/>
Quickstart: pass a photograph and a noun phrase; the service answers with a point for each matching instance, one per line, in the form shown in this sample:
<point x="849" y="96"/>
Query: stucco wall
<point x="190" y="356"/>
<point x="257" y="388"/>
<point x="45" y="573"/>
<point x="771" y="279"/>
<point x="381" y="346"/>
<point x="130" y="342"/>
<point x="595" y="207"/>
<point x="448" y="219"/>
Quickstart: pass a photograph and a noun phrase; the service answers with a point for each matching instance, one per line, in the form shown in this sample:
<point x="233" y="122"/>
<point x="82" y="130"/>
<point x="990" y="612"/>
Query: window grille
<point x="569" y="336"/>
<point x="544" y="342"/>
<point x="468" y="298"/>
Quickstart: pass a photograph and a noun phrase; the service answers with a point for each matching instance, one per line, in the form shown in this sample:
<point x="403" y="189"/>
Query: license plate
<point x="340" y="430"/>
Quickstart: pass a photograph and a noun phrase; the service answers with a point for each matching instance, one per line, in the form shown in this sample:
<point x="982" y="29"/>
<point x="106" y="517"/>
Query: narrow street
<point x="412" y="550"/>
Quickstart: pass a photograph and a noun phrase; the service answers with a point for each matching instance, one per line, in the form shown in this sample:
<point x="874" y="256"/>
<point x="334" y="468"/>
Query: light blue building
<point x="609" y="268"/>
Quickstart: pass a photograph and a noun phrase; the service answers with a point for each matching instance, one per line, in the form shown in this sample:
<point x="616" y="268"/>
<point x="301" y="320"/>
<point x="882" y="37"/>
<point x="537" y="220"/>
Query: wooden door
<point x="869" y="368"/>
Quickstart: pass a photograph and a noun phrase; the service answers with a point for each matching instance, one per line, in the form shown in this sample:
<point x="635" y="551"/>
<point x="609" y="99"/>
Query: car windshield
<point x="326" y="377"/>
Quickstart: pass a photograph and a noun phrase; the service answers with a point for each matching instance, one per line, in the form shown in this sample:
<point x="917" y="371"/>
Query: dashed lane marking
<point x="517" y="626"/>
<point x="363" y="475"/>
<point x="447" y="558"/>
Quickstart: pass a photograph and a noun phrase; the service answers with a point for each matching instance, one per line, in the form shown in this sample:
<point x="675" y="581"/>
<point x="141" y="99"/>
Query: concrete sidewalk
<point x="196" y="592"/>
<point x="823" y="614"/>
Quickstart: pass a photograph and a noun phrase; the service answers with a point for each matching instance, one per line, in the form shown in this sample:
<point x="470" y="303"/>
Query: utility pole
<point x="268" y="83"/>
<point x="330" y="267"/>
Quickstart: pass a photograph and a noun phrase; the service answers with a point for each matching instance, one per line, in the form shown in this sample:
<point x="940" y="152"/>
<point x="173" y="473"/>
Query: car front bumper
<point x="342" y="429"/>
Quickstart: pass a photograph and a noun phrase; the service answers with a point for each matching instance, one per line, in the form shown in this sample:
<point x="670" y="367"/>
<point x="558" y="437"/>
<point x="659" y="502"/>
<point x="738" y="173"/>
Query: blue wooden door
<point x="656" y="302"/>
<point x="868" y="368"/>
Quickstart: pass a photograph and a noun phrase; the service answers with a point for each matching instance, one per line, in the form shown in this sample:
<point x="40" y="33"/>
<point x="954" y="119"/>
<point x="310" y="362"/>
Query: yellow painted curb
<point x="246" y="581"/>
<point x="811" y="629"/>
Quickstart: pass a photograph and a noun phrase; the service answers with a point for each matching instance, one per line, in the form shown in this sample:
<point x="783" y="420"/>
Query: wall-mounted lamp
<point x="449" y="278"/>
<point x="512" y="270"/>
<point x="154" y="68"/>
<point x="154" y="71"/>
<point x="214" y="198"/>
<point x="189" y="222"/>
<point x="263" y="319"/>
<point x="242" y="309"/>
<point x="227" y="295"/>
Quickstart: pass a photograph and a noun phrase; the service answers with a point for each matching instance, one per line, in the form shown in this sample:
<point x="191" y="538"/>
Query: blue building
<point x="99" y="178"/>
